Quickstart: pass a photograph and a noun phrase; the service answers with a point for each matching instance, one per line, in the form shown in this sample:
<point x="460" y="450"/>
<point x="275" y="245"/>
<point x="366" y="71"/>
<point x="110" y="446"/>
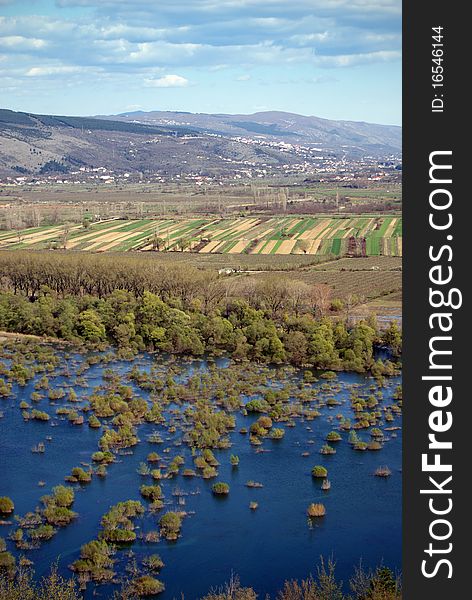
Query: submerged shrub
<point x="277" y="433"/>
<point x="6" y="505"/>
<point x="63" y="495"/>
<point x="170" y="524"/>
<point x="78" y="474"/>
<point x="146" y="586"/>
<point x="151" y="492"/>
<point x="220" y="489"/>
<point x="93" y="422"/>
<point x="153" y="562"/>
<point x="316" y="510"/>
<point x="319" y="472"/>
<point x="59" y="515"/>
<point x="43" y="532"/>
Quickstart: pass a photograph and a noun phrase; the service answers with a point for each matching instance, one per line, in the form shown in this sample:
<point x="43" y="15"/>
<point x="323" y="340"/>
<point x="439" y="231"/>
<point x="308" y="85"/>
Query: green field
<point x="339" y="236"/>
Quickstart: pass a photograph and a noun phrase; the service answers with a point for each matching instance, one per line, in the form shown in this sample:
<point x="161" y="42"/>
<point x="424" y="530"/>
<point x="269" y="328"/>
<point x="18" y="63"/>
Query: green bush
<point x="63" y="495"/>
<point x="277" y="433"/>
<point x="58" y="515"/>
<point x="220" y="489"/>
<point x="319" y="472"/>
<point x="170" y="524"/>
<point x="80" y="475"/>
<point x="7" y="563"/>
<point x="151" y="492"/>
<point x="153" y="562"/>
<point x="43" y="532"/>
<point x="146" y="586"/>
<point x="6" y="505"/>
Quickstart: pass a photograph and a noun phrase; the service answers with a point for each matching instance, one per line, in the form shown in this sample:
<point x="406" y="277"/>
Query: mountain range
<point x="170" y="143"/>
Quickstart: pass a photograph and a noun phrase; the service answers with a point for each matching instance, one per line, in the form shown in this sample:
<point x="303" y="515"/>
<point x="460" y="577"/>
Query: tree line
<point x="136" y="303"/>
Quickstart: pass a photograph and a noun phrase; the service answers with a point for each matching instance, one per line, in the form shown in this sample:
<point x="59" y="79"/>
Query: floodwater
<point x="220" y="536"/>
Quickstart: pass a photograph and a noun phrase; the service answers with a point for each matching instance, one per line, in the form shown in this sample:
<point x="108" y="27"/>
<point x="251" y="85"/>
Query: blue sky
<point x="338" y="59"/>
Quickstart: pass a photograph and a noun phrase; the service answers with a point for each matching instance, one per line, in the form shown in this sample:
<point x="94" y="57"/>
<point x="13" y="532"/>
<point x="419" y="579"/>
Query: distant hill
<point x="283" y="126"/>
<point x="171" y="143"/>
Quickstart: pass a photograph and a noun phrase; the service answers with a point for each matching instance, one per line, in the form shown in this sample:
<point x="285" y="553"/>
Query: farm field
<point x="376" y="279"/>
<point x="357" y="236"/>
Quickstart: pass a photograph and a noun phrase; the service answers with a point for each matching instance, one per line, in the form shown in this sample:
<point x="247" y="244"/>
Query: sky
<point x="337" y="59"/>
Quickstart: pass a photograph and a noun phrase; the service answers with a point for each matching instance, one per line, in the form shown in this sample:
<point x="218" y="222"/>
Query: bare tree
<point x="65" y="235"/>
<point x="320" y="298"/>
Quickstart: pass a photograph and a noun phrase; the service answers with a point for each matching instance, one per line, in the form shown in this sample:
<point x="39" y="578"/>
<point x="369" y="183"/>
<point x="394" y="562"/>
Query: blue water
<point x="220" y="536"/>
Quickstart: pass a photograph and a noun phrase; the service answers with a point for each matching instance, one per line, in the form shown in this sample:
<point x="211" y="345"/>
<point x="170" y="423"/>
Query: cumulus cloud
<point x="149" y="38"/>
<point x="331" y="27"/>
<point x="167" y="81"/>
<point x="46" y="71"/>
<point x="20" y="43"/>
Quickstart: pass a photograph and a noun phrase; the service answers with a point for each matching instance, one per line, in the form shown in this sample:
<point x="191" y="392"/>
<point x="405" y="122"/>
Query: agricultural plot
<point x="373" y="278"/>
<point x="358" y="236"/>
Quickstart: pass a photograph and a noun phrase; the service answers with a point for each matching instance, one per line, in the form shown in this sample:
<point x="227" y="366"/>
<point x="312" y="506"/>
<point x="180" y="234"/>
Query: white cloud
<point x="167" y="81"/>
<point x="21" y="43"/>
<point x="47" y="71"/>
<point x="351" y="60"/>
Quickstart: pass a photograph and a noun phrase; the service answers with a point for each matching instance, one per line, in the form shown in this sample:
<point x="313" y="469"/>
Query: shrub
<point x="316" y="510"/>
<point x="7" y="562"/>
<point x="265" y="422"/>
<point x="376" y="433"/>
<point x="210" y="458"/>
<point x="80" y="475"/>
<point x="209" y="472"/>
<point x="374" y="445"/>
<point x="93" y="422"/>
<point x="220" y="489"/>
<point x="103" y="457"/>
<point x="170" y="524"/>
<point x="118" y="536"/>
<point x="353" y="437"/>
<point x="95" y="561"/>
<point x="328" y="375"/>
<point x="151" y="492"/>
<point x="319" y="472"/>
<point x="256" y="429"/>
<point x="277" y="433"/>
<point x="337" y="305"/>
<point x="383" y="472"/>
<point x="153" y="562"/>
<point x="234" y="460"/>
<point x="43" y="532"/>
<point x="39" y="415"/>
<point x="257" y="406"/>
<point x="333" y="436"/>
<point x="6" y="505"/>
<point x="63" y="496"/>
<point x="59" y="515"/>
<point x="146" y="586"/>
<point x="254" y="484"/>
<point x="327" y="449"/>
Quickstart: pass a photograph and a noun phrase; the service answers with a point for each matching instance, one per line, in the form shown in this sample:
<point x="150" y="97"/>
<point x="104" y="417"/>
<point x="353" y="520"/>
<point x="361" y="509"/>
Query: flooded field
<point x="163" y="431"/>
